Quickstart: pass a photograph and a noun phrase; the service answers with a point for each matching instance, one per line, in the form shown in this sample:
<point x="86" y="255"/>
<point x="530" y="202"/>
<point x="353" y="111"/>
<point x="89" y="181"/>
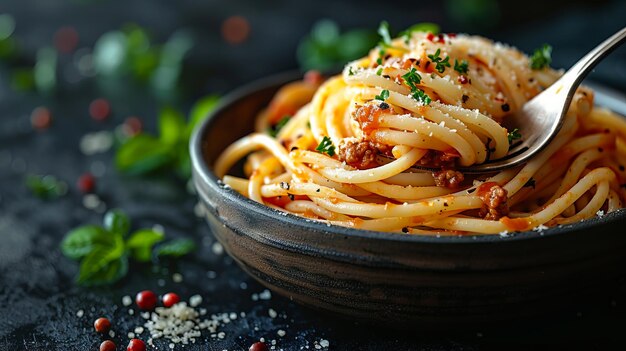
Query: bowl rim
<point x="202" y="171"/>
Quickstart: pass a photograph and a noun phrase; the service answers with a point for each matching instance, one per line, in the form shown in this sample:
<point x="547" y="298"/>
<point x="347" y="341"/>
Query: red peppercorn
<point x="258" y="346"/>
<point x="41" y="118"/>
<point x="102" y="325"/>
<point x="86" y="183"/>
<point x="99" y="109"/>
<point x="146" y="300"/>
<point x="313" y="77"/>
<point x="170" y="299"/>
<point x="132" y="125"/>
<point x="107" y="345"/>
<point x="462" y="79"/>
<point x="136" y="345"/>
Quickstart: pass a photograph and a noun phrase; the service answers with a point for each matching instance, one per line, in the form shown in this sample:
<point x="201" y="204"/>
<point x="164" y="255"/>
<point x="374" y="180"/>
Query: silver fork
<point x="541" y="118"/>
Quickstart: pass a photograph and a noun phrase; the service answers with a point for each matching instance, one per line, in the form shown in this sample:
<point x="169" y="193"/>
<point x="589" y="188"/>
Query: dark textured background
<point x="38" y="300"/>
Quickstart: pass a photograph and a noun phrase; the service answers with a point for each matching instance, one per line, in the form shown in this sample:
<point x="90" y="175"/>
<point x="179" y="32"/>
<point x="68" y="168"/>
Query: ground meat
<point x="367" y="116"/>
<point x="358" y="154"/>
<point x="439" y="159"/>
<point x="494" y="203"/>
<point x="448" y="179"/>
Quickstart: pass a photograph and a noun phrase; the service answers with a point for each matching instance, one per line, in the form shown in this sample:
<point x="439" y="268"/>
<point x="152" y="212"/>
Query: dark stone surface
<point x="38" y="299"/>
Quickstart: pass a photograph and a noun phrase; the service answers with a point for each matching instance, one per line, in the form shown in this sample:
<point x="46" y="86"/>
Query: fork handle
<point x="582" y="68"/>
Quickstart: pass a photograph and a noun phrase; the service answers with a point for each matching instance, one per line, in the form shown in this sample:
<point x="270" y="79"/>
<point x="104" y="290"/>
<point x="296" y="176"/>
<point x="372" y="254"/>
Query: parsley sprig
<point x="104" y="250"/>
<point x="461" y="66"/>
<point x="273" y="131"/>
<point x="383" y="31"/>
<point x="384" y="95"/>
<point x="412" y="78"/>
<point x="541" y="58"/>
<point x="514" y="135"/>
<point x="420" y="96"/>
<point x="144" y="153"/>
<point x="326" y="147"/>
<point x="440" y="62"/>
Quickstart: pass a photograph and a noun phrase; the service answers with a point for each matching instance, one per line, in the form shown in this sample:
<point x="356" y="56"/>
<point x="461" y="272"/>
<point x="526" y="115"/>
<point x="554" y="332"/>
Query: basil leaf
<point x="46" y="187"/>
<point x="142" y="154"/>
<point x="110" y="273"/>
<point x="200" y="111"/>
<point x="80" y="241"/>
<point x="141" y="242"/>
<point x="171" y="125"/>
<point x="116" y="221"/>
<point x="176" y="248"/>
<point x="99" y="266"/>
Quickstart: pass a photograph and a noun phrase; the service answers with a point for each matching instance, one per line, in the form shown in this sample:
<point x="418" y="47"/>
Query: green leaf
<point x="108" y="274"/>
<point x="46" y="187"/>
<point x="103" y="265"/>
<point x="541" y="58"/>
<point x="171" y="125"/>
<point x="141" y="242"/>
<point x="82" y="240"/>
<point x="142" y="154"/>
<point x="200" y="110"/>
<point x="383" y="31"/>
<point x="425" y="27"/>
<point x="176" y="248"/>
<point x="116" y="221"/>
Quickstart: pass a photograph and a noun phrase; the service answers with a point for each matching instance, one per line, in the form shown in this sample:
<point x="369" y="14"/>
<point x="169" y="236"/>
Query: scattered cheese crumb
<point x="80" y="313"/>
<point x="177" y="277"/>
<point x="272" y="313"/>
<point x="127" y="301"/>
<point x="281" y="333"/>
<point x="195" y="300"/>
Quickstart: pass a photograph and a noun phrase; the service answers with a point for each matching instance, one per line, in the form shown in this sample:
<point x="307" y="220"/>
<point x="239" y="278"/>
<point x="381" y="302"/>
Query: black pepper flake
<point x="383" y="105"/>
<point x="600" y="149"/>
<point x="405" y="230"/>
<point x="284" y="185"/>
<point x="464" y="98"/>
<point x="294" y="148"/>
<point x="318" y="190"/>
<point x="445" y="204"/>
<point x="506" y="107"/>
<point x="621" y="168"/>
<point x="471" y="190"/>
<point x="386" y="76"/>
<point x="291" y="197"/>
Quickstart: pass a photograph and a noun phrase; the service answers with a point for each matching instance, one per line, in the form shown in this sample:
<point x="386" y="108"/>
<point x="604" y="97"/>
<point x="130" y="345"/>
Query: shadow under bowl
<point x="395" y="279"/>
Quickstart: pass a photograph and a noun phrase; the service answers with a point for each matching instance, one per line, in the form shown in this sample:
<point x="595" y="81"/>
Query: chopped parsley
<point x="541" y="58"/>
<point x="383" y="31"/>
<point x="350" y="71"/>
<point x="379" y="71"/>
<point x="412" y="78"/>
<point x="461" y="66"/>
<point x="384" y="95"/>
<point x="530" y="182"/>
<point x="440" y="62"/>
<point x="326" y="147"/>
<point x="420" y="96"/>
<point x="273" y="131"/>
<point x="514" y="135"/>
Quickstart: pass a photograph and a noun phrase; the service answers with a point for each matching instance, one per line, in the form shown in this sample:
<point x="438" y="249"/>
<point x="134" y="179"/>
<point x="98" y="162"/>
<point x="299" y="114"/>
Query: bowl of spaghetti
<point x="318" y="189"/>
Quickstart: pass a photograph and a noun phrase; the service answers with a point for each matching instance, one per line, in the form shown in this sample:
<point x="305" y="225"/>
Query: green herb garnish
<point x="541" y="58"/>
<point x="425" y="27"/>
<point x="440" y="62"/>
<point x="46" y="187"/>
<point x="144" y="153"/>
<point x="412" y="78"/>
<point x="326" y="147"/>
<point x="104" y="250"/>
<point x="273" y="131"/>
<point x="384" y="95"/>
<point x="514" y="135"/>
<point x="379" y="71"/>
<point x="381" y="55"/>
<point x="383" y="31"/>
<point x="420" y="96"/>
<point x="175" y="248"/>
<point x="461" y="66"/>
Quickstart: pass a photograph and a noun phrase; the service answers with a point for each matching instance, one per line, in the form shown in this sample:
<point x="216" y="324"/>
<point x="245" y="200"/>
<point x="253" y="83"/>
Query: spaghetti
<point x="347" y="148"/>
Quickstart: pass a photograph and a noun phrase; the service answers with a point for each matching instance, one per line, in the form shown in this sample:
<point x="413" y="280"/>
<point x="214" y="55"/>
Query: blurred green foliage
<point x="327" y="49"/>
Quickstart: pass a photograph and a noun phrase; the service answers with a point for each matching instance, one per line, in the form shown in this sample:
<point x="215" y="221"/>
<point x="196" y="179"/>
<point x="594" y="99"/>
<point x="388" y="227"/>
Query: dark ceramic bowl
<point x="404" y="280"/>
